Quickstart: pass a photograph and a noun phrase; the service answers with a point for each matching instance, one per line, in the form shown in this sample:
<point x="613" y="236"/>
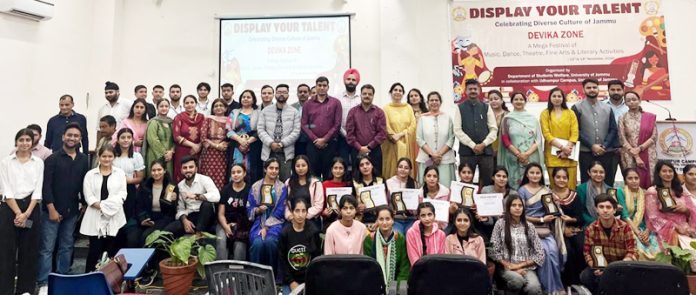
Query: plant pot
<point x="178" y="279"/>
<point x="692" y="283"/>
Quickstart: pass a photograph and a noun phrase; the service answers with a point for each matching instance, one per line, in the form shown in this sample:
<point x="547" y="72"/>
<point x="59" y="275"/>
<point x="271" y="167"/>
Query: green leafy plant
<point x="180" y="250"/>
<point x="678" y="257"/>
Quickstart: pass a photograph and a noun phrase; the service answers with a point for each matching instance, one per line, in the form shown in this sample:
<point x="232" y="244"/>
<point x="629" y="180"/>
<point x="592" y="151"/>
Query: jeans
<point x="402" y="225"/>
<point x="265" y="252"/>
<point x="52" y="233"/>
<point x="239" y="251"/>
<point x="529" y="283"/>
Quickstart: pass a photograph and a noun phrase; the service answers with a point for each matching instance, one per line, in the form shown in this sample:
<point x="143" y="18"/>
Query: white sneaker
<point x="43" y="290"/>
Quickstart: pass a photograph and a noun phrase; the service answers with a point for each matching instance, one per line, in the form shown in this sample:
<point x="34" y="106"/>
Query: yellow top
<point x="399" y="118"/>
<point x="563" y="127"/>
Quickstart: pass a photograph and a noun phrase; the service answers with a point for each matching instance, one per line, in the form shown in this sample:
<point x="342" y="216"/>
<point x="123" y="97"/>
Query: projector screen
<point x="291" y="50"/>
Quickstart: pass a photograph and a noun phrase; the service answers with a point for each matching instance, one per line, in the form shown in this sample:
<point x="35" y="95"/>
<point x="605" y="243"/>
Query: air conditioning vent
<point x="26" y="14"/>
<point x="37" y="10"/>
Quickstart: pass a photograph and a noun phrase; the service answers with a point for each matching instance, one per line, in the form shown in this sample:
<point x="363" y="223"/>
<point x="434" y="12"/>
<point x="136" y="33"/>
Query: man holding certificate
<point x="606" y="240"/>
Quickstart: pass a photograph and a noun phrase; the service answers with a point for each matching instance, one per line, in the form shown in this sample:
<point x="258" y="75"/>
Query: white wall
<point x="175" y="41"/>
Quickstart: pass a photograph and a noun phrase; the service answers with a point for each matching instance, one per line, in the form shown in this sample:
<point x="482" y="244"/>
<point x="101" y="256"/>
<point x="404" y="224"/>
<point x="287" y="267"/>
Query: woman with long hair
<point x="388" y="247"/>
<point x="302" y="184"/>
<point x="242" y="132"/>
<point x="675" y="226"/>
<point x="187" y="134"/>
<point x="136" y="122"/>
<point x="214" y="152"/>
<point x="402" y="180"/>
<point x="559" y="125"/>
<point x="638" y="138"/>
<point x="500" y="186"/>
<point x="647" y="244"/>
<point x="345" y="235"/>
<point x="233" y="221"/>
<point x="588" y="191"/>
<point x="463" y="239"/>
<point x="500" y="109"/>
<point x="573" y="235"/>
<point x="298" y="244"/>
<point x="516" y="246"/>
<point x="425" y="236"/>
<point x="339" y="178"/>
<point x="365" y="175"/>
<point x="156" y="201"/>
<point x="133" y="166"/>
<point x="401" y="131"/>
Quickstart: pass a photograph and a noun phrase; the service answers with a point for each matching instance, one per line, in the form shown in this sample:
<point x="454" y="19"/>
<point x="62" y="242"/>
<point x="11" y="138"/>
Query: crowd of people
<point x="256" y="175"/>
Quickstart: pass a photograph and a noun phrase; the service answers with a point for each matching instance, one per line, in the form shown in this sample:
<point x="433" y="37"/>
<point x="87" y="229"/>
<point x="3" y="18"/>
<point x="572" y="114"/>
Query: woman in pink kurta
<point x="187" y="134"/>
<point x="464" y="239"/>
<point x="638" y="138"/>
<point x="214" y="154"/>
<point x="678" y="224"/>
<point x="345" y="236"/>
<point x="136" y="121"/>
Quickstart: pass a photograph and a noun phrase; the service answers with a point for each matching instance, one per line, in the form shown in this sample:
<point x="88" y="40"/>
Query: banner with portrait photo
<point x="675" y="143"/>
<point x="535" y="45"/>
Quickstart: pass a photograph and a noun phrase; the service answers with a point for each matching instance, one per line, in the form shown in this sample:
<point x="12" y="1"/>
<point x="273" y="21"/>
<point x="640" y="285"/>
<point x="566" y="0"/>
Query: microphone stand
<point x="674" y="126"/>
<point x="669" y="114"/>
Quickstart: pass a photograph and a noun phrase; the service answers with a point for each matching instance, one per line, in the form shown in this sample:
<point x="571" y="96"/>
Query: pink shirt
<point x="474" y="247"/>
<point x="138" y="132"/>
<point x="344" y="240"/>
<point x="435" y="242"/>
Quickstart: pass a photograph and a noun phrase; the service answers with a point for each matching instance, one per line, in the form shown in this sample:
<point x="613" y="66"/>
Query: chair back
<point x="93" y="283"/>
<point x="449" y="274"/>
<point x="239" y="278"/>
<point x="642" y="277"/>
<point x="329" y="275"/>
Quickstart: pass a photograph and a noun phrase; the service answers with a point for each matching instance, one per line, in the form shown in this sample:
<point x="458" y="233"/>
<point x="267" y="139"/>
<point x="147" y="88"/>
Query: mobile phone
<point x="28" y="223"/>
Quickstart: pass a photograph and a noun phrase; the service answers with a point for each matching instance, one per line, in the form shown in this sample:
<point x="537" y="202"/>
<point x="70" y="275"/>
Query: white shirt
<point x="119" y="110"/>
<point x="347" y="103"/>
<point x="173" y="111"/>
<point x="130" y="165"/>
<point x="204" y="108"/>
<point x="21" y="180"/>
<point x="202" y="185"/>
<point x="111" y="217"/>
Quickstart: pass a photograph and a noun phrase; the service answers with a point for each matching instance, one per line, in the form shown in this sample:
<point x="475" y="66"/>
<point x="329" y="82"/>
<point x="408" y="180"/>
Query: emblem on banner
<point x="676" y="142"/>
<point x="458" y="14"/>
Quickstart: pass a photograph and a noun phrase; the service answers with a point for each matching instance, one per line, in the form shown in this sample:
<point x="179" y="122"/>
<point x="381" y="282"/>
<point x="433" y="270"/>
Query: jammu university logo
<point x="676" y="142"/>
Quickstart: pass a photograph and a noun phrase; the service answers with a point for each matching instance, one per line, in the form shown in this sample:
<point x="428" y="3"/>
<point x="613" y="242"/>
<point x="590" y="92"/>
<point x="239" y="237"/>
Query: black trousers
<point x="609" y="162"/>
<point x="374" y="155"/>
<point x="485" y="167"/>
<point x="203" y="220"/>
<point x="97" y="246"/>
<point x="320" y="159"/>
<point x="18" y="250"/>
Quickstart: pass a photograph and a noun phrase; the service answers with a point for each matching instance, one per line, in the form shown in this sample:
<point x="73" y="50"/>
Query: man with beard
<point x="197" y="194"/>
<point x="176" y="106"/>
<point x="64" y="172"/>
<point x="302" y="96"/>
<point x="56" y="125"/>
<point x="349" y="100"/>
<point x="366" y="128"/>
<point x="157" y="94"/>
<point x="227" y="91"/>
<point x="321" y="121"/>
<point x="598" y="132"/>
<point x="475" y="128"/>
<point x="266" y="96"/>
<point x="115" y="106"/>
<point x="278" y="129"/>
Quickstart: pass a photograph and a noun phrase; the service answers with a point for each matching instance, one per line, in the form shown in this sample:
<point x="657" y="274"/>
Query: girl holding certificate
<point x="500" y="185"/>
<point x="366" y="175"/>
<point x="393" y="261"/>
<point x="588" y="191"/>
<point x="549" y="227"/>
<point x="572" y="230"/>
<point x="339" y="178"/>
<point x="403" y="179"/>
<point x="559" y="125"/>
<point x="466" y="173"/>
<point x="674" y="225"/>
<point x="425" y="236"/>
<point x="432" y="189"/>
<point x="303" y="185"/>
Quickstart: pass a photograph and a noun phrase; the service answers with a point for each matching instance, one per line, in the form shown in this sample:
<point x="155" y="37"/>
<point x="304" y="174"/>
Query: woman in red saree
<point x="638" y="138"/>
<point x="187" y="134"/>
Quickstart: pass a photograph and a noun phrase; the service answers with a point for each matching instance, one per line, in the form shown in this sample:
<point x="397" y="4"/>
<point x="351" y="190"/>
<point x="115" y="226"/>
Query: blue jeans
<point x="286" y="290"/>
<point x="402" y="225"/>
<point x="52" y="233"/>
<point x="265" y="252"/>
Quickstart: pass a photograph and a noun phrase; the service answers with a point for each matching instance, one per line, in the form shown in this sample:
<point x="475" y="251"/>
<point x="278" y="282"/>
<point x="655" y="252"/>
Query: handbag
<point x="114" y="271"/>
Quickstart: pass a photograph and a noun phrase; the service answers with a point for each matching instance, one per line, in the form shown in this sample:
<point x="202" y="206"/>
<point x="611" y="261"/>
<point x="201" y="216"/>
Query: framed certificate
<point x="598" y="259"/>
<point x="410" y="197"/>
<point x="336" y="193"/>
<point x="397" y="201"/>
<point x="612" y="192"/>
<point x="331" y="202"/>
<point x="267" y="194"/>
<point x="462" y="193"/>
<point x="550" y="207"/>
<point x="665" y="196"/>
<point x="170" y="195"/>
<point x="373" y="196"/>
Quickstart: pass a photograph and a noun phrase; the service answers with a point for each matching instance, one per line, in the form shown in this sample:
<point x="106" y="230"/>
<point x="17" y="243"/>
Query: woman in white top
<point x="435" y="137"/>
<point x="133" y="165"/>
<point x="104" y="190"/>
<point x="21" y="177"/>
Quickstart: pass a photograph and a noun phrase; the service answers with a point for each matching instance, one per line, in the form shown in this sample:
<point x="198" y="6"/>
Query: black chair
<point x="344" y="275"/>
<point x="239" y="277"/>
<point x="641" y="277"/>
<point x="449" y="274"/>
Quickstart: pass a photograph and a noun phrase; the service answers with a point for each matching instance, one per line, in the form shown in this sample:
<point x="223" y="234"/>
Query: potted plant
<point x="680" y="258"/>
<point x="186" y="255"/>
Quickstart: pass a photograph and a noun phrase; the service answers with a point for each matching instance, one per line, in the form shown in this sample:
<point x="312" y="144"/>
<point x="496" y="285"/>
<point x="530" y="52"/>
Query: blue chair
<point x="93" y="283"/>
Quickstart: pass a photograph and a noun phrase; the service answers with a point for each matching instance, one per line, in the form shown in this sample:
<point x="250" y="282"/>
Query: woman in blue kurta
<point x="549" y="228"/>
<point x="266" y="208"/>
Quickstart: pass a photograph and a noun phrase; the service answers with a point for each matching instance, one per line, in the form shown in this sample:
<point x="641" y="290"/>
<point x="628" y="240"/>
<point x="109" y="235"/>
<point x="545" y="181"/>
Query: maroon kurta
<point x="185" y="128"/>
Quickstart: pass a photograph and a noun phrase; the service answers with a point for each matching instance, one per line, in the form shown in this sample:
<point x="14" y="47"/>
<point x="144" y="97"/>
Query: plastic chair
<point x="93" y="283"/>
<point x="239" y="278"/>
<point x="344" y="275"/>
<point x="642" y="277"/>
<point x="449" y="274"/>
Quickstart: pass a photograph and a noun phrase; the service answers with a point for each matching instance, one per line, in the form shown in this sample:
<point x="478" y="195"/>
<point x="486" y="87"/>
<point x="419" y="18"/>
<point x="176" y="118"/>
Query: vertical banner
<point x="675" y="143"/>
<point x="535" y="45"/>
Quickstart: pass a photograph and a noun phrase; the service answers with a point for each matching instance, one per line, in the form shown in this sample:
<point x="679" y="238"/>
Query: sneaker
<point x="43" y="290"/>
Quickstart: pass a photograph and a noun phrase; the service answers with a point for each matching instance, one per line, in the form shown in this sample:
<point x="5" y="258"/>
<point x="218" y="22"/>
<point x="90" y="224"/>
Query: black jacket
<point x="144" y="200"/>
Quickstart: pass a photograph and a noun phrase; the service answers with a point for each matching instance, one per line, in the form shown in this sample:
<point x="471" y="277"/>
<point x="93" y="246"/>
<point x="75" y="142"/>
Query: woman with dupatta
<point x="549" y="227"/>
<point x="213" y="132"/>
<point x="521" y="138"/>
<point x="634" y="196"/>
<point x="401" y="132"/>
<point x="638" y="138"/>
<point x="159" y="144"/>
<point x="187" y="134"/>
<point x="241" y="129"/>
